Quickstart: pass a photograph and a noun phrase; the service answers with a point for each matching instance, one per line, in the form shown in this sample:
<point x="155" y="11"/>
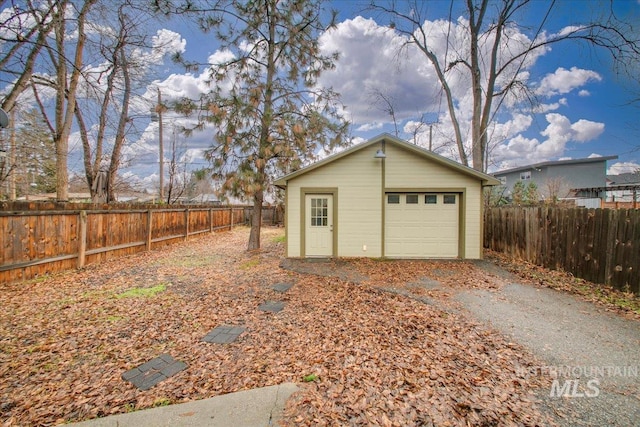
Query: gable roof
<point x="389" y="139"/>
<point x="555" y="163"/>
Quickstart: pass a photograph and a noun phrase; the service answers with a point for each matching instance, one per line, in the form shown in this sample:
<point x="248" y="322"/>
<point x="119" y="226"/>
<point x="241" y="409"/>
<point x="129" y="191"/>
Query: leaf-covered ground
<point x="382" y="342"/>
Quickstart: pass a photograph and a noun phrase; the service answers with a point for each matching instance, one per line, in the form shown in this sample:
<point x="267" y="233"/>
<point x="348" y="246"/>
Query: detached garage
<point x="385" y="198"/>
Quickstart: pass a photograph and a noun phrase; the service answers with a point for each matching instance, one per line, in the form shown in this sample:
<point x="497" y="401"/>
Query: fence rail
<point x="599" y="245"/>
<point x="38" y="242"/>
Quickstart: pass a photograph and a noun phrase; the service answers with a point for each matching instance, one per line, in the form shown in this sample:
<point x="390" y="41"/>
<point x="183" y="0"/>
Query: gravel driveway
<point x="565" y="332"/>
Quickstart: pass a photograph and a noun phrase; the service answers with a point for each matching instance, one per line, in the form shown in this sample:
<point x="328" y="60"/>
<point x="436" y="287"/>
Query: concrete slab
<point x="282" y="287"/>
<point x="223" y="334"/>
<point x="252" y="408"/>
<point x="152" y="372"/>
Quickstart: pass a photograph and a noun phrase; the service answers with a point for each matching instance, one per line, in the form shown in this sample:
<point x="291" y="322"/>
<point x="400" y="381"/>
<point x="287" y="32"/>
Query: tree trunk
<point x="265" y="125"/>
<point x="122" y="123"/>
<point x="256" y="221"/>
<point x="475" y="26"/>
<point x="67" y="94"/>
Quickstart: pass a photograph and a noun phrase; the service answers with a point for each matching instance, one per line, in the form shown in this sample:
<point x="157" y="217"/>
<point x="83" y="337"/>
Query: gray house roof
<point x="542" y="165"/>
<point x="486" y="179"/>
<point x="624" y="178"/>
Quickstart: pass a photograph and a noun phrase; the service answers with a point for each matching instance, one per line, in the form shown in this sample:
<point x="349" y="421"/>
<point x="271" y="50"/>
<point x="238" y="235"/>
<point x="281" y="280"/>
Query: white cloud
<point x="370" y="63"/>
<point x="623" y="167"/>
<point x="520" y="150"/>
<point x="221" y="57"/>
<point x="586" y="130"/>
<point x="192" y="155"/>
<point x="564" y="81"/>
<point x="374" y="62"/>
<point x="594" y="156"/>
<point x="545" y="108"/>
<point x="369" y="126"/>
<point x="568" y="30"/>
<point x="178" y="86"/>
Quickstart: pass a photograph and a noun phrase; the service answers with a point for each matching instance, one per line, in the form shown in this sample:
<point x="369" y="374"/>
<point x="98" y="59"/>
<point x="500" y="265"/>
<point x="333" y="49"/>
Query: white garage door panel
<point x="422" y="230"/>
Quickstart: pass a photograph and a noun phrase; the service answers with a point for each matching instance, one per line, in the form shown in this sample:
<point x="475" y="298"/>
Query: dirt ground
<point x="381" y="342"/>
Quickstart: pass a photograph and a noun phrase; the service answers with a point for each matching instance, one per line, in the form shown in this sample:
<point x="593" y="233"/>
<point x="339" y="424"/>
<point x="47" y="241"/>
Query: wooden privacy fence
<point x="599" y="245"/>
<point x="33" y="243"/>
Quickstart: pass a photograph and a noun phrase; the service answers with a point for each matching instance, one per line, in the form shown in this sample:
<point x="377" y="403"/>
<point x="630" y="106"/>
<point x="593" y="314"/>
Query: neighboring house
<point x="384" y="198"/>
<point x="559" y="178"/>
<point x="621" y="191"/>
<point x="623" y="188"/>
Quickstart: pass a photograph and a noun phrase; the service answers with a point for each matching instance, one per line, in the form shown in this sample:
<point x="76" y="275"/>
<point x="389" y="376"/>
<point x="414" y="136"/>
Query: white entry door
<point x="319" y="225"/>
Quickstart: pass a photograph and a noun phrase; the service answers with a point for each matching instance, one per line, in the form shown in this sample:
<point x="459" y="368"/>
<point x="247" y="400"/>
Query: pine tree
<point x="531" y="194"/>
<point x="36" y="162"/>
<point x="269" y="115"/>
<point x="517" y="196"/>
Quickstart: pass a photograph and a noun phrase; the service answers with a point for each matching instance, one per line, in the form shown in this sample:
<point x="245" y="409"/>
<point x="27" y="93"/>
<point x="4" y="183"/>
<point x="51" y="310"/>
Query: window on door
<point x="412" y="199"/>
<point x="319" y="212"/>
<point x="449" y="199"/>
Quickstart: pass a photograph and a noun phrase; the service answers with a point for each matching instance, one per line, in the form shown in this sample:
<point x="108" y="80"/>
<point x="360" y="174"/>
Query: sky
<point x="583" y="107"/>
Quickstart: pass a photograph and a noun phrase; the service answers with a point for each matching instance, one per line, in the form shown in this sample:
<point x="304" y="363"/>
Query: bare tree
<point x="116" y="92"/>
<point x="29" y="28"/>
<point x="66" y="59"/>
<point x="554" y="189"/>
<point x="200" y="184"/>
<point x="91" y="57"/>
<point x="387" y="104"/>
<point x="490" y="60"/>
<point x="495" y="196"/>
<point x="178" y="174"/>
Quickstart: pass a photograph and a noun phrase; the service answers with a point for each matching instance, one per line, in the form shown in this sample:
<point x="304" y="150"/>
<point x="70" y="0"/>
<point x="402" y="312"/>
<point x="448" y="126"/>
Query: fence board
<point x="600" y="245"/>
<point x="37" y="242"/>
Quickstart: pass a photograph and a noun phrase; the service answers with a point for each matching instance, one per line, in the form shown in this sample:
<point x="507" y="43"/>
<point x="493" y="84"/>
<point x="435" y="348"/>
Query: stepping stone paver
<point x="155" y="370"/>
<point x="282" y="287"/>
<point x="224" y="334"/>
<point x="271" y="306"/>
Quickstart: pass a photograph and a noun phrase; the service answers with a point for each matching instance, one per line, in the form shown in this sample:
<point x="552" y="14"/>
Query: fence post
<point x="210" y="220"/>
<point x="82" y="240"/>
<point x="186" y="224"/>
<point x="231" y="220"/>
<point x="149" y="228"/>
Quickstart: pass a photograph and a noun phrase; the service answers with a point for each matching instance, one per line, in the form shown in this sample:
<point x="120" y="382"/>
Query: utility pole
<point x="159" y="109"/>
<point x="12" y="152"/>
<point x="4" y="122"/>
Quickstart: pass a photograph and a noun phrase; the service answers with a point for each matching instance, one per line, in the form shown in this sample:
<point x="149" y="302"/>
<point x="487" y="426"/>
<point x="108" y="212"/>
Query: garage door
<point x="422" y="225"/>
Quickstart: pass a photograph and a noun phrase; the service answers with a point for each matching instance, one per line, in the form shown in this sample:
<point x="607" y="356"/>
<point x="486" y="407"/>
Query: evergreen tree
<point x="269" y="114"/>
<point x="531" y="194"/>
<point x="35" y="168"/>
<point x="517" y="196"/>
